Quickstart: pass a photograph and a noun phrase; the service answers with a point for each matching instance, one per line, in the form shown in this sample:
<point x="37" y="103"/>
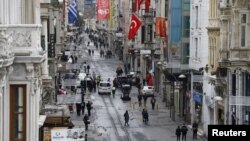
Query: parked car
<point x="105" y="87"/>
<point x="148" y="90"/>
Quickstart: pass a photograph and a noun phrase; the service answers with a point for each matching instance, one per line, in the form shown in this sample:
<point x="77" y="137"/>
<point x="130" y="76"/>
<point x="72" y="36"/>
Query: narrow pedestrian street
<point x="107" y="120"/>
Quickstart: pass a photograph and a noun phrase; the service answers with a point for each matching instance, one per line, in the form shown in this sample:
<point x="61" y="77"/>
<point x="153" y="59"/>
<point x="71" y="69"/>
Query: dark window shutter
<point x="143" y="34"/>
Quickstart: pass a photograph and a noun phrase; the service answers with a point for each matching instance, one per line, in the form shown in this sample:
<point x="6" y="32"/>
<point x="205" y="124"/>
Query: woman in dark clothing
<point x="126" y="117"/>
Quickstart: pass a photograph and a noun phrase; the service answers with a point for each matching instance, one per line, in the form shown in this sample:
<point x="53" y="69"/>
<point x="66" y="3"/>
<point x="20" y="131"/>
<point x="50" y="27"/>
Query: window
<point x="243" y="24"/>
<point x="233" y="84"/>
<point x="105" y="84"/>
<point x="247" y="83"/>
<point x="143" y="34"/>
<point x="186" y="26"/>
<point x="186" y="5"/>
<point x="185" y="53"/>
<point x="17" y="112"/>
<point x="150" y="33"/>
<point x="196" y="48"/>
<point x="166" y="10"/>
<point x="196" y="16"/>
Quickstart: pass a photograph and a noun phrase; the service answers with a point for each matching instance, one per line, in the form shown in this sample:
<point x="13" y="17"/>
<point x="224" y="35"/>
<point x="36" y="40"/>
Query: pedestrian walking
<point x="145" y="116"/>
<point x="145" y="100"/>
<point x="92" y="52"/>
<point x="89" y="52"/>
<point x="76" y="59"/>
<point x="113" y="91"/>
<point x="89" y="107"/>
<point x="86" y="121"/>
<point x="83" y="107"/>
<point x="184" y="131"/>
<point x="94" y="84"/>
<point x="78" y="109"/>
<point x="126" y="117"/>
<point x="85" y="67"/>
<point x="88" y="68"/>
<point x="139" y="99"/>
<point x="178" y="133"/>
<point x="233" y="117"/>
<point x="153" y="101"/>
<point x="195" y="130"/>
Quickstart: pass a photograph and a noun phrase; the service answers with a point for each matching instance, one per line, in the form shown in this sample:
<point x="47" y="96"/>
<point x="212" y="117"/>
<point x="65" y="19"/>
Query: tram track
<point x="112" y="120"/>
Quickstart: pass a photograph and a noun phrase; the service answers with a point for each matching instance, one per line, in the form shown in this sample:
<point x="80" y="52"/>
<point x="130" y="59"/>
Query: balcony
<point x="214" y="23"/>
<point x="23" y="40"/>
<point x="239" y="100"/>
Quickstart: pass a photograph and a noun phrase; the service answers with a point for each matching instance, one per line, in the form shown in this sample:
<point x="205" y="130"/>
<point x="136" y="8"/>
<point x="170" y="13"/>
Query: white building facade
<point x="21" y="63"/>
<point x="198" y="58"/>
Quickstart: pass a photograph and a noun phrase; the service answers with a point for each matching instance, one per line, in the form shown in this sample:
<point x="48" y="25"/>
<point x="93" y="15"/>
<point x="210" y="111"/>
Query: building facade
<point x="234" y="57"/>
<point x="22" y="74"/>
<point x="198" y="58"/>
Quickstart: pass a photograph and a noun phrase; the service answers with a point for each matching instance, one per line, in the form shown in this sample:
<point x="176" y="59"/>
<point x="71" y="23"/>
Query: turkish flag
<point x="147" y="4"/>
<point x="134" y="26"/>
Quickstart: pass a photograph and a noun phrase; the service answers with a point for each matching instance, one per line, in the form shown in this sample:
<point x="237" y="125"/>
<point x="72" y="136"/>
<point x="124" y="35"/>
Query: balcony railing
<point x="239" y="100"/>
<point x="24" y="39"/>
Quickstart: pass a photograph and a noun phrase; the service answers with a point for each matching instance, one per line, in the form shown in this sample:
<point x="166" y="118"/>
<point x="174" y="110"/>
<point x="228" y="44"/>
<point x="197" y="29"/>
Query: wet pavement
<point x="107" y="120"/>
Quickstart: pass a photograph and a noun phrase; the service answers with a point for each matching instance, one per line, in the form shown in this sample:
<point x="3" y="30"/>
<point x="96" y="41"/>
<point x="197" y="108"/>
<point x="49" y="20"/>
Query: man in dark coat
<point x="184" y="131"/>
<point x="178" y="133"/>
<point x="89" y="107"/>
<point x="86" y="121"/>
<point x="126" y="117"/>
<point x="195" y="130"/>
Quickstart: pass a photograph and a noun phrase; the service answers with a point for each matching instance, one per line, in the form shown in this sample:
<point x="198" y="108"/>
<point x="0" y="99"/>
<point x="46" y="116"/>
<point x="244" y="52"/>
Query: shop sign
<point x="76" y="134"/>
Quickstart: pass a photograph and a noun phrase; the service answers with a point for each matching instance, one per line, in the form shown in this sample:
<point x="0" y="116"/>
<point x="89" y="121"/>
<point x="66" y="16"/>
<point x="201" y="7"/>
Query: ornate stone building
<point x="22" y="69"/>
<point x="234" y="57"/>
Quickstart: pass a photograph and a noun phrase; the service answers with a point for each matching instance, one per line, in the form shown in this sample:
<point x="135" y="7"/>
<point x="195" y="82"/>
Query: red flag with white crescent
<point x="134" y="26"/>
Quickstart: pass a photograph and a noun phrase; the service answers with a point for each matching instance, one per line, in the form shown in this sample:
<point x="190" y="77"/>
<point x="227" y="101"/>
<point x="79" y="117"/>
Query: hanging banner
<point x="161" y="27"/>
<point x="157" y="26"/>
<point x="163" y="32"/>
<point x="102" y="9"/>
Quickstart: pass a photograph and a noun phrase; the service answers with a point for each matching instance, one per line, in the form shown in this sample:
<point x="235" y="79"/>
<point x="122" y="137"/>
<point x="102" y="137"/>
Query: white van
<point x="104" y="87"/>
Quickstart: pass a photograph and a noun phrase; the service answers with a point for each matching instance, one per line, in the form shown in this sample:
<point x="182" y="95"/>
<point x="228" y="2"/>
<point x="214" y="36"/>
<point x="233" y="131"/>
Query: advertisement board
<point x="76" y="134"/>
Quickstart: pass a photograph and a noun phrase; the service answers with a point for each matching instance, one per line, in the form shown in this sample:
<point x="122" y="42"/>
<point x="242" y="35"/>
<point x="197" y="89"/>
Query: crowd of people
<point x="100" y="42"/>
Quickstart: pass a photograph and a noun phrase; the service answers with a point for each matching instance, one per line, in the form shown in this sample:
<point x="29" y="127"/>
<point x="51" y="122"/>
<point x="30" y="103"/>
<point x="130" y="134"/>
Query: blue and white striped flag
<point x="72" y="12"/>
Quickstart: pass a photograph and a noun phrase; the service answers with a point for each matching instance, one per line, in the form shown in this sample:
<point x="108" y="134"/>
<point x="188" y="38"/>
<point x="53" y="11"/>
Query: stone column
<point x="2" y="75"/>
<point x="45" y="67"/>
